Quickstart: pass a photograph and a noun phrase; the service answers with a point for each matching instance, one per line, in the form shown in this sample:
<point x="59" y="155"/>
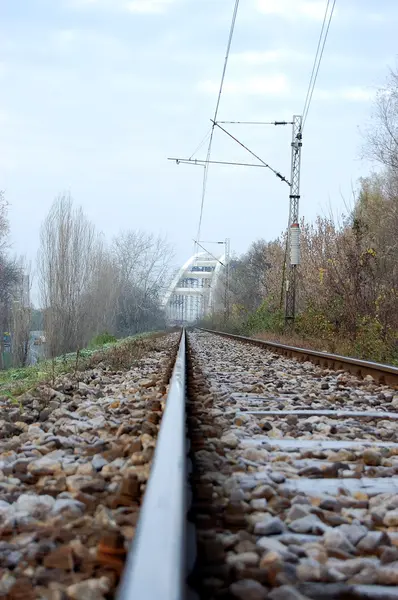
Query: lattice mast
<point x="293" y="225"/>
<point x="227" y="277"/>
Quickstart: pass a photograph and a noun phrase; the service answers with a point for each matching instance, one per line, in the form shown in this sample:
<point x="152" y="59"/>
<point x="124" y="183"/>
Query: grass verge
<point x="117" y="355"/>
<point x="340" y="346"/>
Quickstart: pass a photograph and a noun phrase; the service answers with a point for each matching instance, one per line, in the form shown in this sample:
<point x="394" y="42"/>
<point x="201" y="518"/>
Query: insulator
<point x="295" y="244"/>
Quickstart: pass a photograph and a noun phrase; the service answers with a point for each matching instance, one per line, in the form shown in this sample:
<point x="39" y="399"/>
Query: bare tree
<point x="87" y="289"/>
<point x="8" y="280"/>
<point x="21" y="314"/>
<point x="143" y="263"/>
<point x="382" y="137"/>
<point x="4" y="226"/>
<point x="68" y="244"/>
<point x="8" y="277"/>
<point x="100" y="301"/>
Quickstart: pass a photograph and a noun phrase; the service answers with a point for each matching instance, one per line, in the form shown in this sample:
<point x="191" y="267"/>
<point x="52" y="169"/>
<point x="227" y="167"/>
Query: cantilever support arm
<point x="279" y="175"/>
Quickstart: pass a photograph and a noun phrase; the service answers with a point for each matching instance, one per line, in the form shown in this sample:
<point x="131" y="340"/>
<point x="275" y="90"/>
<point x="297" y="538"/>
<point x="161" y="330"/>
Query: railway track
<point x="266" y="477"/>
<point x="293" y="487"/>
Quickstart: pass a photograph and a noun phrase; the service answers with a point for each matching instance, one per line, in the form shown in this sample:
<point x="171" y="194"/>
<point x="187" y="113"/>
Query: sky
<point x="97" y="94"/>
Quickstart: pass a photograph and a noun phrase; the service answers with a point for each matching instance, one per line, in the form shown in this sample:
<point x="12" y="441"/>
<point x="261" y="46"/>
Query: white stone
<point x="250" y="559"/>
<point x="335" y="539"/>
<point x="45" y="466"/>
<point x="33" y="505"/>
<point x="5" y="507"/>
<point x="68" y="505"/>
<point x="91" y="589"/>
<point x="308" y="524"/>
<point x="230" y="440"/>
<point x="391" y="518"/>
<point x="388" y="575"/>
<point x="34" y="432"/>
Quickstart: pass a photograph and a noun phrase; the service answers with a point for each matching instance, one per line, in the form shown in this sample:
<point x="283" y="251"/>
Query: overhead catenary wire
<point x="318" y="58"/>
<point x="206" y="169"/>
<point x="201" y="144"/>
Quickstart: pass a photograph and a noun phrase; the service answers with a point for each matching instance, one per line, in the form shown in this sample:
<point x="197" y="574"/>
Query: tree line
<point x="87" y="286"/>
<point x="15" y="309"/>
<point x="348" y="278"/>
<point x="347" y="281"/>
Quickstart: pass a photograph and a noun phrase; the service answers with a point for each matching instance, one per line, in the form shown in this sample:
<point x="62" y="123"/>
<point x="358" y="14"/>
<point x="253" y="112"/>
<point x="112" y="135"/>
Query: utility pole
<point x="293" y="225"/>
<point x="226" y="288"/>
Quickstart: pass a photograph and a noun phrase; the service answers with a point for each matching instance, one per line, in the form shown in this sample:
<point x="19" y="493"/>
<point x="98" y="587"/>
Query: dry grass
<point x="342" y="347"/>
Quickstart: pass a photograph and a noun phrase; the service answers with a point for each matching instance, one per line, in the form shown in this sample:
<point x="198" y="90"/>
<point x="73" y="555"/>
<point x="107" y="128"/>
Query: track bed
<point x="75" y="458"/>
<point x="295" y="477"/>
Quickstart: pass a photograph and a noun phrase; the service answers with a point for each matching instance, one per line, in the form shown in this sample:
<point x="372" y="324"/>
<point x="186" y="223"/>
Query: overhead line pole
<point x="293" y="224"/>
<point x="227" y="273"/>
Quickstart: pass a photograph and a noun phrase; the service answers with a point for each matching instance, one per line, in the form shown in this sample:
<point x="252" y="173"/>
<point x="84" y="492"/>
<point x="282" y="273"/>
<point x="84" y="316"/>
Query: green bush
<point x="265" y="319"/>
<point x="371" y="343"/>
<point x="101" y="339"/>
<point x="313" y="323"/>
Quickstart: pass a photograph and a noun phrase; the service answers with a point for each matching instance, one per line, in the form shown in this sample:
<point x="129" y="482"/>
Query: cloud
<point x="4" y="117"/>
<point x="269" y="56"/>
<point x="357" y="94"/>
<point x="257" y="58"/>
<point x="79" y="41"/>
<point x="66" y="37"/>
<point x="351" y="94"/>
<point x="273" y="85"/>
<point x="148" y="6"/>
<point x="131" y="6"/>
<point x="82" y="4"/>
<point x="291" y="9"/>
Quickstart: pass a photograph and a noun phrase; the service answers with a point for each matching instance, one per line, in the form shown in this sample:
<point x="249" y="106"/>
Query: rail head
<point x="387" y="374"/>
<point x="154" y="568"/>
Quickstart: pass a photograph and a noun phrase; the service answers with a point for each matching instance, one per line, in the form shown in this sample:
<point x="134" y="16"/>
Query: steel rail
<point x="386" y="374"/>
<point x="155" y="565"/>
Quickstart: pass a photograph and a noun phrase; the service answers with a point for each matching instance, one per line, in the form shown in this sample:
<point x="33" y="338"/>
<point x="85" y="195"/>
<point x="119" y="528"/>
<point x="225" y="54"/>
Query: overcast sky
<point x="96" y="94"/>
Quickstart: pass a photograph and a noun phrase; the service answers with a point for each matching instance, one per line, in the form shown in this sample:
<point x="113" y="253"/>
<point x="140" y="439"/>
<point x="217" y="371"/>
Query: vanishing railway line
<point x="270" y="477"/>
<point x="293" y="479"/>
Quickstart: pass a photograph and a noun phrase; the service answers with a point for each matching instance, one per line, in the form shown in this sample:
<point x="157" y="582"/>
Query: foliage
<point x="313" y="323"/>
<point x="265" y="319"/>
<point x="373" y="342"/>
<point x="101" y="339"/>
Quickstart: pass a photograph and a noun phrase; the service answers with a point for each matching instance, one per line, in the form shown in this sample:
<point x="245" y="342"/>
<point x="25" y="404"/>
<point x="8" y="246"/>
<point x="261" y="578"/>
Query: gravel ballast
<point x="295" y="477"/>
<point x="75" y="457"/>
